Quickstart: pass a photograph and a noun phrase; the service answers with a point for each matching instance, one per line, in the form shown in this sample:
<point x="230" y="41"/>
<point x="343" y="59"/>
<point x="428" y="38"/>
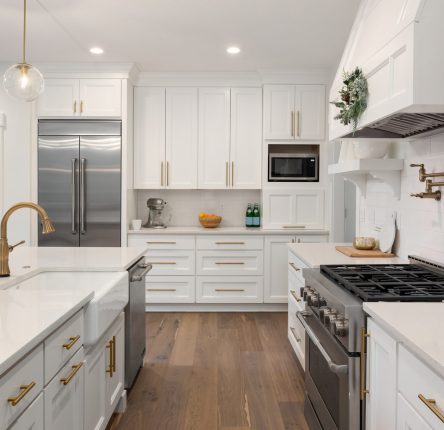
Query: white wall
<point x="16" y="166"/>
<point x="420" y="221"/>
<point x="183" y="206"/>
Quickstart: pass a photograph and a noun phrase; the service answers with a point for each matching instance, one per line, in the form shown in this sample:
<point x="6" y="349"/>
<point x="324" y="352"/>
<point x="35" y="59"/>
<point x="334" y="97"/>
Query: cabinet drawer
<point x="294" y="292"/>
<point x="230" y="242"/>
<point x="296" y="332"/>
<point x="171" y="262"/>
<point x="415" y="379"/>
<point x="63" y="344"/>
<point x="295" y="266"/>
<point x="64" y="396"/>
<point x="229" y="289"/>
<point x="21" y="385"/>
<point x="32" y="418"/>
<point x="155" y="242"/>
<point x="170" y="289"/>
<point x="407" y="417"/>
<point x="230" y="262"/>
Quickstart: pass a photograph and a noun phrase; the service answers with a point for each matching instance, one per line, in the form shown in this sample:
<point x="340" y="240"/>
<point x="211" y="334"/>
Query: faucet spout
<point x="5" y="249"/>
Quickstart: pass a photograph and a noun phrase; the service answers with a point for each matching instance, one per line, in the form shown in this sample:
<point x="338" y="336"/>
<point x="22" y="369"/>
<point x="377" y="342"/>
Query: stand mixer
<point x="155" y="219"/>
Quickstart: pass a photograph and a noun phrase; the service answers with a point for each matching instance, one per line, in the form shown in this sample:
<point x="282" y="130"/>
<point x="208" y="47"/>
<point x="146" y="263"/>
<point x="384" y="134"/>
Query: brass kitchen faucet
<point x="5" y="248"/>
<point x="429" y="193"/>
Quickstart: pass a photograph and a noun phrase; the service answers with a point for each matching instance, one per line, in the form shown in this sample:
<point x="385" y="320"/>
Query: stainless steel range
<point x="334" y="322"/>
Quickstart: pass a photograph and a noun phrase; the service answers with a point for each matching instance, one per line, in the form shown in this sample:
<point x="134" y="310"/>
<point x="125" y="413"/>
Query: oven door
<point x="331" y="379"/>
<point x="292" y="167"/>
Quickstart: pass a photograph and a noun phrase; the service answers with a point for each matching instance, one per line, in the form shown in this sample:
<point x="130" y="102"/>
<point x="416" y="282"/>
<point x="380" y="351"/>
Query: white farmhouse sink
<point x="110" y="291"/>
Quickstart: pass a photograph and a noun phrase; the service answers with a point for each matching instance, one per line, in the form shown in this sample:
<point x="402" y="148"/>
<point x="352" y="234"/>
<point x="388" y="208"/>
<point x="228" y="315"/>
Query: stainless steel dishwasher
<point x="135" y="335"/>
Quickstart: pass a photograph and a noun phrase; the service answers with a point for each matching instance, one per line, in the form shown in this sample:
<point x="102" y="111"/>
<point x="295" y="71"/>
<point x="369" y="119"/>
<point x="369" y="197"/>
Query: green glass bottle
<point x="249" y="216"/>
<point x="256" y="216"/>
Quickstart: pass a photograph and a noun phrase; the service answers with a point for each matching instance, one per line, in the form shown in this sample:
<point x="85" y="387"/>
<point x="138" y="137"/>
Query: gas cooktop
<point x="388" y="282"/>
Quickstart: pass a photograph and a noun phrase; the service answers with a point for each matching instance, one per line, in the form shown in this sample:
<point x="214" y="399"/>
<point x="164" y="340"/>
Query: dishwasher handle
<point x="147" y="267"/>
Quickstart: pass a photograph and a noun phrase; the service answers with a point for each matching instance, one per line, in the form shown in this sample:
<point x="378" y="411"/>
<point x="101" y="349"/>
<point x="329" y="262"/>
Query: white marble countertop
<point x="419" y="326"/>
<point x="315" y="254"/>
<point x="227" y="230"/>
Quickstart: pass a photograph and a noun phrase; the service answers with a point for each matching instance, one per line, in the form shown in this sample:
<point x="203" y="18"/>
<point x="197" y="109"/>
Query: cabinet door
<point x="214" y="138"/>
<point x="309" y="209"/>
<point x="407" y="417"/>
<point x="64" y="397"/>
<point x="246" y="138"/>
<point x="149" y="137"/>
<point x="380" y="379"/>
<point x="32" y="418"/>
<point x="279" y="104"/>
<point x="276" y="269"/>
<point x="114" y="381"/>
<point x="310" y="112"/>
<point x="181" y="138"/>
<point x="60" y="98"/>
<point x="95" y="366"/>
<point x="100" y="97"/>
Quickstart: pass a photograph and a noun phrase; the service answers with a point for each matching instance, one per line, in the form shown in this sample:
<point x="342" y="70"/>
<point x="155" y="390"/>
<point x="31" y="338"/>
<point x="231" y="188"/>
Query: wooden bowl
<point x="210" y="222"/>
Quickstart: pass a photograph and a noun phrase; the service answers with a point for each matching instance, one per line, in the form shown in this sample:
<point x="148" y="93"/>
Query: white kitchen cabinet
<point x="181" y="138"/>
<point x="64" y="396"/>
<point x="380" y="402"/>
<point x="293" y="209"/>
<point x="81" y="98"/>
<point x="232" y="263"/>
<point x="149" y="137"/>
<point x="32" y="418"/>
<point x="408" y="418"/>
<point x="246" y="138"/>
<point x="229" y="289"/>
<point x="214" y="138"/>
<point x="294" y="112"/>
<point x="170" y="289"/>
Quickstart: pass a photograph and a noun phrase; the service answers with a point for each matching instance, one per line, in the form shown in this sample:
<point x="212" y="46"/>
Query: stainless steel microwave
<point x="293" y="167"/>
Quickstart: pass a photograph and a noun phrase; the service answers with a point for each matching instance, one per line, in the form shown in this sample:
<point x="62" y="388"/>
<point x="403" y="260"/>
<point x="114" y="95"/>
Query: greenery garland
<point x="353" y="96"/>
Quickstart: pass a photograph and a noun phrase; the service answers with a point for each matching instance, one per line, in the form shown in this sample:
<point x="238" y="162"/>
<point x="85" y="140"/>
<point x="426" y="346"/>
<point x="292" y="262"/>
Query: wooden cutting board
<point x="350" y="251"/>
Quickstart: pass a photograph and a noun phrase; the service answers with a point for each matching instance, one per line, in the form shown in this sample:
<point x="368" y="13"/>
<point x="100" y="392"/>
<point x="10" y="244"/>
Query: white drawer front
<point x="63" y="344"/>
<point x="294" y="291"/>
<point x="32" y="418"/>
<point x="23" y="382"/>
<point x="229" y="289"/>
<point x="230" y="262"/>
<point x="171" y="262"/>
<point x="295" y="265"/>
<point x="296" y="336"/>
<point x="170" y="289"/>
<point x="415" y="379"/>
<point x="230" y="242"/>
<point x="161" y="241"/>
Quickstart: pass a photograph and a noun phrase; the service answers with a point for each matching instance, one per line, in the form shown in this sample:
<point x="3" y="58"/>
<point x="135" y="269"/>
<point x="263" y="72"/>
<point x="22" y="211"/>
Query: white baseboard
<point x="210" y="307"/>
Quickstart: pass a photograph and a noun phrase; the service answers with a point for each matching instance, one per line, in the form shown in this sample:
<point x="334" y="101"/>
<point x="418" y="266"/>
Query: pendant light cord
<point x="24" y="31"/>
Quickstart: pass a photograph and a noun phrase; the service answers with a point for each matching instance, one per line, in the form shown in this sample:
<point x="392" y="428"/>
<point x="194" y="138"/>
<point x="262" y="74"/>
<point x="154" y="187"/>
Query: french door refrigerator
<point x="79" y="181"/>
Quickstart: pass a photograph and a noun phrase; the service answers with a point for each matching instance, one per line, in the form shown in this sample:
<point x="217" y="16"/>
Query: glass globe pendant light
<point x="23" y="80"/>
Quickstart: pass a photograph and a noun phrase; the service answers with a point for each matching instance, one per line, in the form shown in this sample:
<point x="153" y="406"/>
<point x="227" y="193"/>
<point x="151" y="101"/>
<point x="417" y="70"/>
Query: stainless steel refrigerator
<point x="79" y="181"/>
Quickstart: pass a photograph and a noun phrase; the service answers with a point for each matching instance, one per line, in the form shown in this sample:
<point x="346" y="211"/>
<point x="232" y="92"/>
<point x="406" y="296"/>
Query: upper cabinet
<point x="294" y="112"/>
<point x="81" y="98"/>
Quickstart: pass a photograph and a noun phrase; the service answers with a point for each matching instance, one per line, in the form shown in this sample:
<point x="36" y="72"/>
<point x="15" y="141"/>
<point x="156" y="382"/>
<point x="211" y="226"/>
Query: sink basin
<point x="110" y="291"/>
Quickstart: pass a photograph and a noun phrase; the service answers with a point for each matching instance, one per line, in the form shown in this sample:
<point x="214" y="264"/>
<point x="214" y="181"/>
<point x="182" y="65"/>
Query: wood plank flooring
<point x="216" y="371"/>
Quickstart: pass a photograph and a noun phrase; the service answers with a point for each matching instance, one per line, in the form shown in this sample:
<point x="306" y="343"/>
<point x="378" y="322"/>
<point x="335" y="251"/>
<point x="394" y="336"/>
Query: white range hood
<point x="399" y="44"/>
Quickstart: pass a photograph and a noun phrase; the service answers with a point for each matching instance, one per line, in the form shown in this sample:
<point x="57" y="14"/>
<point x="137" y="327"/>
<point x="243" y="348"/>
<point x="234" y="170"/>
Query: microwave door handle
<point x="335" y="368"/>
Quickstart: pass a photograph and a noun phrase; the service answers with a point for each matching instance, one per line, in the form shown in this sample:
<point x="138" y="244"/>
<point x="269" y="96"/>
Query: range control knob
<point x="322" y="302"/>
<point x="339" y="327"/>
<point x="314" y="300"/>
<point x="322" y="311"/>
<point x="306" y="292"/>
<point x="328" y="315"/>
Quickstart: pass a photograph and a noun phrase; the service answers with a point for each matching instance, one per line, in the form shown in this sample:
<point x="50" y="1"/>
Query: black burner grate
<point x="392" y="282"/>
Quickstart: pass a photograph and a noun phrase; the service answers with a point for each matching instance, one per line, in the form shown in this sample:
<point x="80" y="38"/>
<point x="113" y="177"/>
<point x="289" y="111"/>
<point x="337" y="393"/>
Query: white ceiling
<point x="181" y="35"/>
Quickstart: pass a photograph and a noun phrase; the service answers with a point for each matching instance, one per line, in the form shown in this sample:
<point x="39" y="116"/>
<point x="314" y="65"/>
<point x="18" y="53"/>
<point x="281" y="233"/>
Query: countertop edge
<point x="228" y="231"/>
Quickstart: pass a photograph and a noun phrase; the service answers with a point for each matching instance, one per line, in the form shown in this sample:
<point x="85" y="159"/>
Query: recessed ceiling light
<point x="233" y="50"/>
<point x="96" y="50"/>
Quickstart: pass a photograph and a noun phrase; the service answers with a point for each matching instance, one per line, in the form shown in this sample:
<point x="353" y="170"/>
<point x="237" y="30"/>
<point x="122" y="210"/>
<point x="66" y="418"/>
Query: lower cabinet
<point x="32" y="418"/>
<point x="229" y="289"/>
<point x="170" y="289"/>
<point x="64" y="396"/>
<point x="408" y="418"/>
<point x="104" y="370"/>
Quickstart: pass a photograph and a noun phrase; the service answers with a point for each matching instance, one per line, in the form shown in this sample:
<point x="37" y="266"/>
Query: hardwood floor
<point x="216" y="371"/>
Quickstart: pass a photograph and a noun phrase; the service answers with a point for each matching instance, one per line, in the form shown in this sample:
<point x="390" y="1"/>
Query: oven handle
<point x="335" y="368"/>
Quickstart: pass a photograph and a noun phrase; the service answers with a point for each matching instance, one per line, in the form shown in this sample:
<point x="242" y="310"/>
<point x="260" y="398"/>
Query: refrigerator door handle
<point x="82" y="196"/>
<point x="73" y="195"/>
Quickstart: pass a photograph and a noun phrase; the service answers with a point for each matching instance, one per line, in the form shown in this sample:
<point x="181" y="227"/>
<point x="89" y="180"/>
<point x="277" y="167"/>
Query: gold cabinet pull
<point x="110" y="347"/>
<point x="230" y="243"/>
<point x="293" y="332"/>
<point x="72" y="341"/>
<point x="171" y="290"/>
<point x="167" y="174"/>
<point x="75" y="106"/>
<point x="292" y="123"/>
<point x="75" y="369"/>
<point x="363" y="390"/>
<point x="235" y="290"/>
<point x="162" y="262"/>
<point x="293" y="293"/>
<point x="298" y="124"/>
<point x="25" y="389"/>
<point x="294" y="226"/>
<point x="114" y="354"/>
<point x="161" y="174"/>
<point x="161" y="243"/>
<point x="226" y="174"/>
<point x="81" y="106"/>
<point x="431" y="404"/>
<point x="232" y="173"/>
<point x="294" y="267"/>
<point x="229" y="262"/>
